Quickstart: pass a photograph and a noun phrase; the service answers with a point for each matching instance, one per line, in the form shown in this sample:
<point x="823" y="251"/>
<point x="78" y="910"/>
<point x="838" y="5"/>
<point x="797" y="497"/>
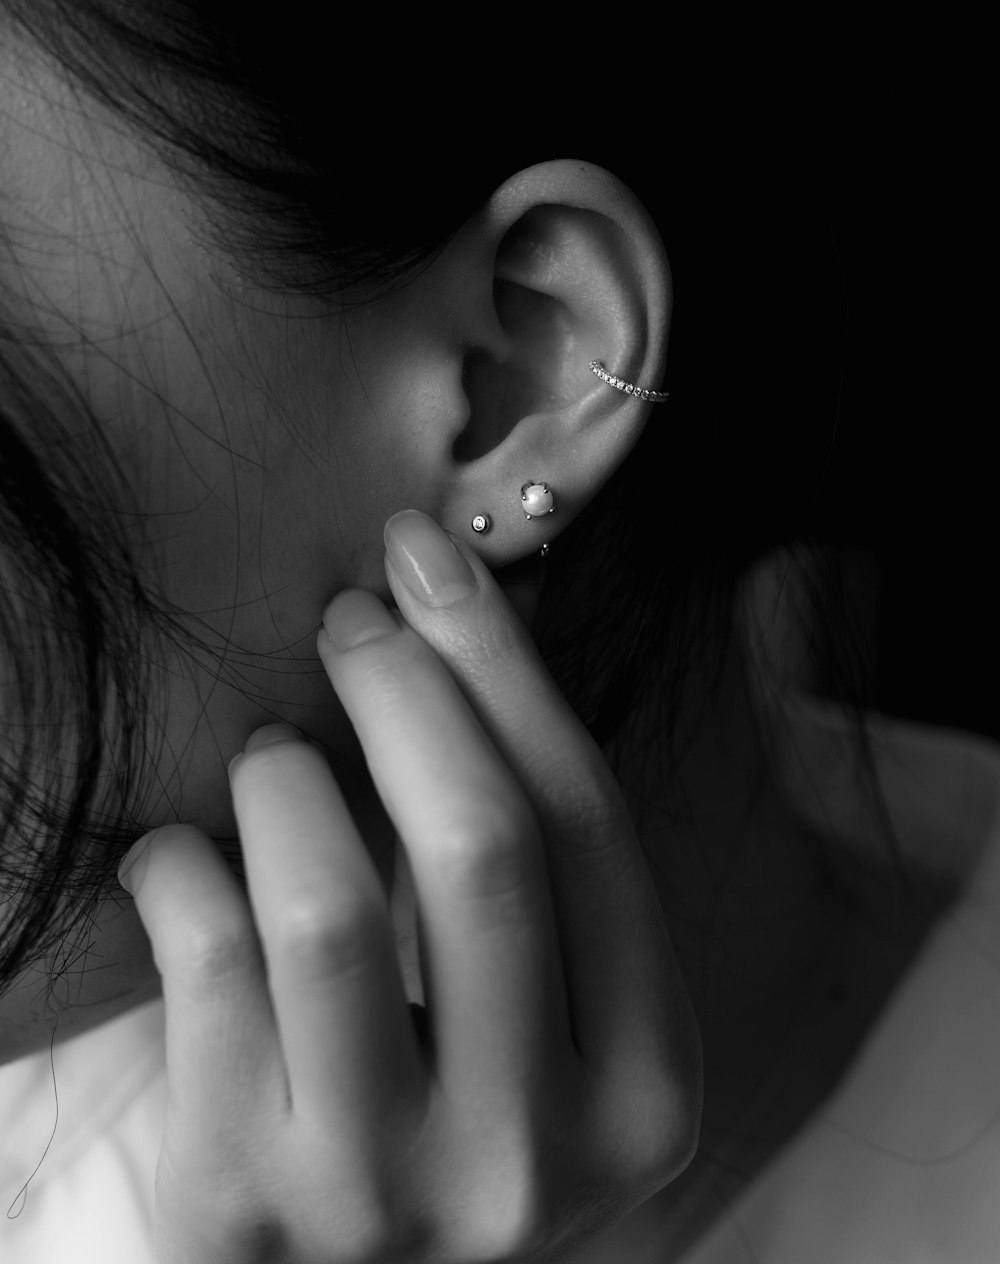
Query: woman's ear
<point x="493" y="341"/>
<point x="579" y="274"/>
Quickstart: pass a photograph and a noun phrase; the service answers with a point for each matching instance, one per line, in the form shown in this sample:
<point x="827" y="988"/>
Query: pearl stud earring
<point x="537" y="500"/>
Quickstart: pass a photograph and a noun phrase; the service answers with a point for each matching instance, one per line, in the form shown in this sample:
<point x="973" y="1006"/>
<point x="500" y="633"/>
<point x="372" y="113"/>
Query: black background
<point x="915" y="461"/>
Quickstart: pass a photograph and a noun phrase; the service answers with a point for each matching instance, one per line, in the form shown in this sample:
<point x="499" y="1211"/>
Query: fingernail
<point x="428" y="562"/>
<point x="355" y="616"/>
<point x="134" y="864"/>
<point x="266" y="735"/>
<point x="269" y="734"/>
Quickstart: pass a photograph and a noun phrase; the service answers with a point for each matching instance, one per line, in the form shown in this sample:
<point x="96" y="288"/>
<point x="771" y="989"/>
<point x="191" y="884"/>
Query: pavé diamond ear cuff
<point x="536" y="500"/>
<point x="630" y="388"/>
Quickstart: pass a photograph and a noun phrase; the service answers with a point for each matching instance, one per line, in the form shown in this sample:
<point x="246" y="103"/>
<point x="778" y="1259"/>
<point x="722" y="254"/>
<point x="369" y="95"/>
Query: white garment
<point x="900" y="1166"/>
<point x="91" y="1200"/>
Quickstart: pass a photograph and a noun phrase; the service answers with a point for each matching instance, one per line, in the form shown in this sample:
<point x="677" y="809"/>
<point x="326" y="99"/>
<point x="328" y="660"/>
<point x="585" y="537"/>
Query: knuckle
<point x="598" y="835"/>
<point x="599" y="821"/>
<point x="508" y="1214"/>
<point x="373" y="1224"/>
<point x="521" y="1221"/>
<point x="484" y="856"/>
<point x="211" y="955"/>
<point x="684" y="1124"/>
<point x="488" y="644"/>
<point x="389" y="661"/>
<point x="334" y="938"/>
<point x="662" y="1136"/>
<point x="363" y="1234"/>
<point x="506" y="1227"/>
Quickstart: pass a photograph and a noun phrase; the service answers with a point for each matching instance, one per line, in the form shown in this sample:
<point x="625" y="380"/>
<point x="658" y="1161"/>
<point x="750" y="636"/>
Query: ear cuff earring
<point x="630" y="388"/>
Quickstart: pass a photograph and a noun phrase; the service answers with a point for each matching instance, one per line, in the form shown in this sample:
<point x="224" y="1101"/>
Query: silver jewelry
<point x="481" y="524"/>
<point x="536" y="500"/>
<point x="630" y="388"/>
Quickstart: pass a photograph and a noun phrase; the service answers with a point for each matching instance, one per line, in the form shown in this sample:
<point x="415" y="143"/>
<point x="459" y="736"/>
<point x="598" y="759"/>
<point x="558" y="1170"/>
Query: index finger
<point x="628" y="1003"/>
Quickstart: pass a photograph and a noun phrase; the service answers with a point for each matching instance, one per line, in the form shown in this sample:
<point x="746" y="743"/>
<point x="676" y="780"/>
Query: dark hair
<point x="640" y="589"/>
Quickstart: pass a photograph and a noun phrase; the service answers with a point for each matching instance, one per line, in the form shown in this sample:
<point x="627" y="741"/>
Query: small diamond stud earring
<point x="481" y="524"/>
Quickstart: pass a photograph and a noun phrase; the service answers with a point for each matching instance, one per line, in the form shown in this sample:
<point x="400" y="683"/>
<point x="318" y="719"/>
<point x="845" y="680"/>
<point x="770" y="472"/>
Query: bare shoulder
<point x="936" y="789"/>
<point x="932" y="793"/>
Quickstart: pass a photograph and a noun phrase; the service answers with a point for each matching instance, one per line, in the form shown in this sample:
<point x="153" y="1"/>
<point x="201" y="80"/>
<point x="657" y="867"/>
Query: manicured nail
<point x="134" y="864"/>
<point x="269" y="734"/>
<point x="428" y="562"/>
<point x="355" y="616"/>
<point x="266" y="735"/>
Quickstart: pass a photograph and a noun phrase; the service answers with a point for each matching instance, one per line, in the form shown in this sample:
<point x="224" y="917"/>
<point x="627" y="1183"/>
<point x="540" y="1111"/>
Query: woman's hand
<point x="557" y="1083"/>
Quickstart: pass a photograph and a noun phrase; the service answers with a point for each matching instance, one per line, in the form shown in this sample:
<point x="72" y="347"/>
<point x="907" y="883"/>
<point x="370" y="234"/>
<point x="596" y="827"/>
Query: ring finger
<point x="348" y="1042"/>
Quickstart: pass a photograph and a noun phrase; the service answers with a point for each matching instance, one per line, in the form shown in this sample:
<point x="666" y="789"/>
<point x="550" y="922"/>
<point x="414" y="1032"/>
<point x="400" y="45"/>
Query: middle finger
<point x="492" y="975"/>
<point x="628" y="1004"/>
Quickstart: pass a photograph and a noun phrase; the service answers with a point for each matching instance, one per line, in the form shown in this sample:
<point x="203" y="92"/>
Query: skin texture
<point x="269" y="438"/>
<point x="558" y="1022"/>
